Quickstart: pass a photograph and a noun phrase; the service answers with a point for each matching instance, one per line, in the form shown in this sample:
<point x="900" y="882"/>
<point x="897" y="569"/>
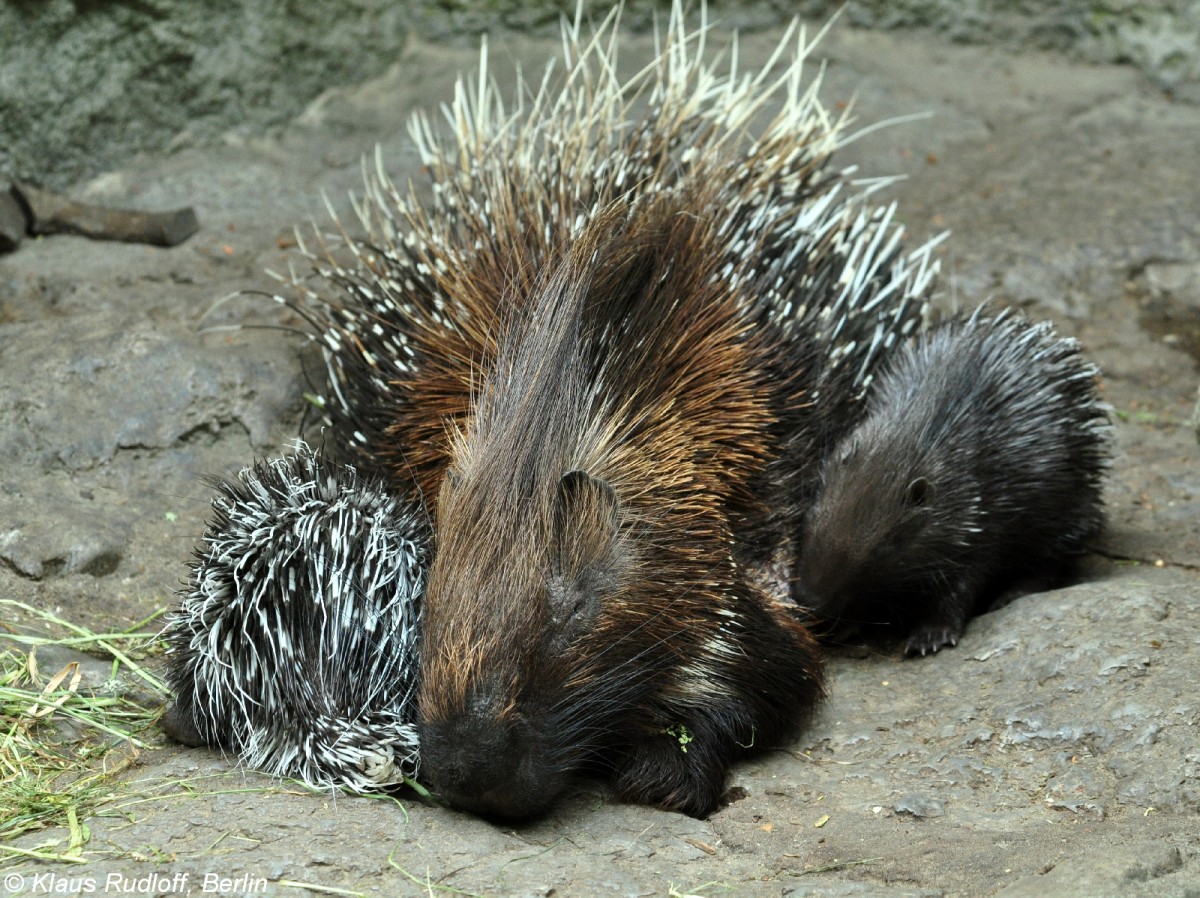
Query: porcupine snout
<point x="491" y="765"/>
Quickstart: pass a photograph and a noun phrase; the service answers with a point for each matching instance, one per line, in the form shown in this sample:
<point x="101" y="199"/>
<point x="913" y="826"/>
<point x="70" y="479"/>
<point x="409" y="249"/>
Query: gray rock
<point x="1146" y="868"/>
<point x="85" y="92"/>
<point x="1160" y="36"/>
<point x="919" y="806"/>
<point x="132" y="386"/>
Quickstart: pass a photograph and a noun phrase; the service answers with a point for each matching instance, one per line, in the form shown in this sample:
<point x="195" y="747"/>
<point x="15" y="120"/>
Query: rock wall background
<point x="85" y="86"/>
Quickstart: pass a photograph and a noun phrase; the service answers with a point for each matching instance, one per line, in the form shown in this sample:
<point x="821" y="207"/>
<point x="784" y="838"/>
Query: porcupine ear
<point x="586" y="562"/>
<point x="918" y="493"/>
<point x="586" y="514"/>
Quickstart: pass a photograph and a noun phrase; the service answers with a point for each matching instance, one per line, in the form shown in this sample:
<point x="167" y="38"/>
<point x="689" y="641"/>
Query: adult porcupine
<point x="603" y="351"/>
<point x="980" y="461"/>
<point x="295" y="642"/>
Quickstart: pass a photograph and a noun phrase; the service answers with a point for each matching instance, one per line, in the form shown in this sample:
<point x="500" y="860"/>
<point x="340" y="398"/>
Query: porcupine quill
<point x="608" y="351"/>
<point x="979" y="464"/>
<point x="296" y="644"/>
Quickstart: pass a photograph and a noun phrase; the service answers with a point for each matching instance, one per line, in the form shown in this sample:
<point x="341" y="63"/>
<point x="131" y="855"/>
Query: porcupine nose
<point x="497" y="769"/>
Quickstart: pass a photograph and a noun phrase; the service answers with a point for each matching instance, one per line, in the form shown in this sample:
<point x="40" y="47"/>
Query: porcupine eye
<point x="585" y="561"/>
<point x="915" y="501"/>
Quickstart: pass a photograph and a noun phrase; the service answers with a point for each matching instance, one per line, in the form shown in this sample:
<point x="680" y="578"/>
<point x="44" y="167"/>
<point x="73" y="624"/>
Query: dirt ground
<point x="1055" y="751"/>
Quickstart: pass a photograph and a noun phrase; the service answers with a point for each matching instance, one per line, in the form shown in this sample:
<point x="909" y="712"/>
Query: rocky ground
<point x="1053" y="752"/>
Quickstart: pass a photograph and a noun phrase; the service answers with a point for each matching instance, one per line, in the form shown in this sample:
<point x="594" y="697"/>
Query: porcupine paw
<point x="929" y="638"/>
<point x="179" y="723"/>
<point x="670" y="771"/>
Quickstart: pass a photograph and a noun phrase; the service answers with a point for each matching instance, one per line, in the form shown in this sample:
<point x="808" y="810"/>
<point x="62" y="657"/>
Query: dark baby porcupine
<point x="979" y="462"/>
<point x="295" y="643"/>
<point x="598" y="352"/>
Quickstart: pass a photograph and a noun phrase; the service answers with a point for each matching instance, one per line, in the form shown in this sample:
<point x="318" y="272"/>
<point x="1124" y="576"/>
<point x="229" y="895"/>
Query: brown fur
<point x="585" y="596"/>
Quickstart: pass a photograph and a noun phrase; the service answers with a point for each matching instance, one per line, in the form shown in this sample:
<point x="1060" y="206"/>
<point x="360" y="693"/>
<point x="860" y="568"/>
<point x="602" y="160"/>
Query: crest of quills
<point x="611" y="356"/>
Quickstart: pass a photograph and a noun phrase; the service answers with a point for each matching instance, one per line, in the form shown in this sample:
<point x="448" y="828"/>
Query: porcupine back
<point x="624" y="304"/>
<point x="585" y="599"/>
<point x="980" y="461"/>
<point x="407" y="315"/>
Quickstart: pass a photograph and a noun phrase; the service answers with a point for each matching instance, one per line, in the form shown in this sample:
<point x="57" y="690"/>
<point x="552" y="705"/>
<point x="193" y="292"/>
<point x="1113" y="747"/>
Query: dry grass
<point x="65" y="736"/>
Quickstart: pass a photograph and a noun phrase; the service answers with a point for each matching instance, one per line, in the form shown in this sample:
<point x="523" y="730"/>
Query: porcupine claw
<point x="930" y="639"/>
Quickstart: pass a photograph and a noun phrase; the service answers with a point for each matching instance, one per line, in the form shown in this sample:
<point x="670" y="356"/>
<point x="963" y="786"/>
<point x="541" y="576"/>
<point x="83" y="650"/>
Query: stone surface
<point x="1161" y="37"/>
<point x="87" y="86"/>
<point x="13" y="223"/>
<point x="1053" y="752"/>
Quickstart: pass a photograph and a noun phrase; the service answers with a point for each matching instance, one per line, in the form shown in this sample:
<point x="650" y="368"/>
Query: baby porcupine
<point x="295" y="643"/>
<point x="980" y="461"/>
<point x="602" y="350"/>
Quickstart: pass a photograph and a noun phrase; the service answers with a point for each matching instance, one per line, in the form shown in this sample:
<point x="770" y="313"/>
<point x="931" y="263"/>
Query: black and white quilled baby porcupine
<point x="295" y="643"/>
